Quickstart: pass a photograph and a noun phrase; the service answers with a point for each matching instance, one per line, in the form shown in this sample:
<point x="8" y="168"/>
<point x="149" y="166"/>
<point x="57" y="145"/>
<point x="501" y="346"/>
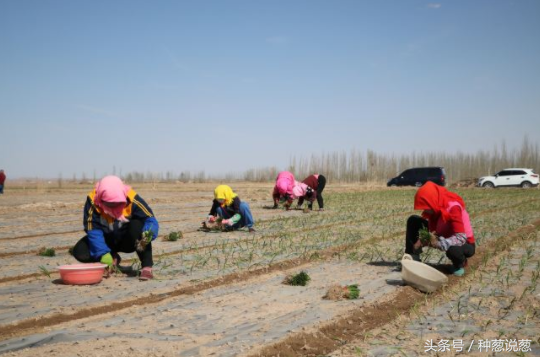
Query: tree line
<point x="370" y="166"/>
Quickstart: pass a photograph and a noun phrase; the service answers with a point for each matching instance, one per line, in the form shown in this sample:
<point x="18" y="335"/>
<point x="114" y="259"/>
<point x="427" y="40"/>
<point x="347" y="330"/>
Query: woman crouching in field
<point x="287" y="190"/>
<point x="117" y="219"/>
<point x="445" y="216"/>
<point x="234" y="213"/>
<point x="283" y="188"/>
<point x="309" y="189"/>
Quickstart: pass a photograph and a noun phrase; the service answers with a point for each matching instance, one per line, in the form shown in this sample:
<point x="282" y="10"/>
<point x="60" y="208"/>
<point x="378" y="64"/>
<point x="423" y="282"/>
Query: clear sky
<point x="224" y="86"/>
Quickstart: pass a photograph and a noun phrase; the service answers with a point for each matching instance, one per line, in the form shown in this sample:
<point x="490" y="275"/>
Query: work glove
<point x="107" y="259"/>
<point x="211" y="219"/>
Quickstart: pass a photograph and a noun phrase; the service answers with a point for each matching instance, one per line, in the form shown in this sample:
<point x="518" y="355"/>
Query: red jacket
<point x="312" y="181"/>
<point x="2" y="178"/>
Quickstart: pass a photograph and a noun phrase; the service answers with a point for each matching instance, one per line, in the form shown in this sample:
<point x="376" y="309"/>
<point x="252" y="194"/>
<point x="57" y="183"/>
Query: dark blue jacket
<point x="98" y="224"/>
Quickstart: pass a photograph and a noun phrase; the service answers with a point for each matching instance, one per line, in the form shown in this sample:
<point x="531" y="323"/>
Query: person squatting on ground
<point x="235" y="214"/>
<point x="283" y="187"/>
<point x="444" y="214"/>
<point x="115" y="218"/>
<point x="309" y="189"/>
<point x="2" y="180"/>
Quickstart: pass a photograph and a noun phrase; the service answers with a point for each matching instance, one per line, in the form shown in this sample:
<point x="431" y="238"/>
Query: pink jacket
<point x="284" y="183"/>
<point x="299" y="190"/>
<point x="446" y="229"/>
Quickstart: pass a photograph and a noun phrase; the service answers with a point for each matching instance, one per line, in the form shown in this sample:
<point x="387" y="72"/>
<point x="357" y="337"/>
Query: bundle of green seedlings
<point x="173" y="236"/>
<point x="300" y="279"/>
<point x="424" y="235"/>
<point x="215" y="226"/>
<point x="47" y="252"/>
<point x="338" y="292"/>
<point x="145" y="240"/>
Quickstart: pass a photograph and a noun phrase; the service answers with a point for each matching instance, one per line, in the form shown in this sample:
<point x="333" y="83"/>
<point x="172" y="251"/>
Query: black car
<point x="418" y="176"/>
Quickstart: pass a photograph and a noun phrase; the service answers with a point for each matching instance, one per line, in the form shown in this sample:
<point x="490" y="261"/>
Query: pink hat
<point x="112" y="189"/>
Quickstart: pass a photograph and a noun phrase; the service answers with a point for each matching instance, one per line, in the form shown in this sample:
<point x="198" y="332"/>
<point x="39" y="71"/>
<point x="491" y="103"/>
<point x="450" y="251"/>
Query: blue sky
<point x="224" y="86"/>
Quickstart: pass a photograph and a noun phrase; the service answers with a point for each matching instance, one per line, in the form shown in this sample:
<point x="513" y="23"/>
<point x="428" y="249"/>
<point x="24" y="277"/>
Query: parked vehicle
<point x="517" y="177"/>
<point x="418" y="176"/>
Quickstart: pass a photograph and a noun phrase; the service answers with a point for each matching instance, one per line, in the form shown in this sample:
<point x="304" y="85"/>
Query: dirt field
<point x="221" y="293"/>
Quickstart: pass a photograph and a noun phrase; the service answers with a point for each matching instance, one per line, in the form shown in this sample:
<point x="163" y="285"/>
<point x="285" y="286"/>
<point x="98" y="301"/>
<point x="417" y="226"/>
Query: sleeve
<point x="142" y="211"/>
<point x="94" y="230"/>
<point x="236" y="205"/>
<point x="151" y="223"/>
<point x="236" y="218"/>
<point x="213" y="210"/>
<point x="457" y="239"/>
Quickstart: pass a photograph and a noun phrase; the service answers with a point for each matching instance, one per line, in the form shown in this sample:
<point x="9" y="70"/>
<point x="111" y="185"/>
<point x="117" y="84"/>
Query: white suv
<point x="525" y="178"/>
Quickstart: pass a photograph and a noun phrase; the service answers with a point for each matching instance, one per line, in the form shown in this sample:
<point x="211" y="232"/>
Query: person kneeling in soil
<point x="309" y="189"/>
<point x="444" y="214"/>
<point x="117" y="219"/>
<point x="283" y="188"/>
<point x="234" y="213"/>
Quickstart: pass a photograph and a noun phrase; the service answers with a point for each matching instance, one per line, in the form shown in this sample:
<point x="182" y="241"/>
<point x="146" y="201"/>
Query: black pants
<point x="320" y="188"/>
<point x="457" y="254"/>
<point x="125" y="243"/>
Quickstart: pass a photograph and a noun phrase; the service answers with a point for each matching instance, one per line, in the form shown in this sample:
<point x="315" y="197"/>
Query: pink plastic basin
<point x="82" y="274"/>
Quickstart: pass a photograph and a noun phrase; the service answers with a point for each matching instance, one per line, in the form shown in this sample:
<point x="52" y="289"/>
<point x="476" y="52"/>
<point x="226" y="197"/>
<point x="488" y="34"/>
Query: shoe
<point x="251" y="230"/>
<point x="459" y="272"/>
<point x="146" y="274"/>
